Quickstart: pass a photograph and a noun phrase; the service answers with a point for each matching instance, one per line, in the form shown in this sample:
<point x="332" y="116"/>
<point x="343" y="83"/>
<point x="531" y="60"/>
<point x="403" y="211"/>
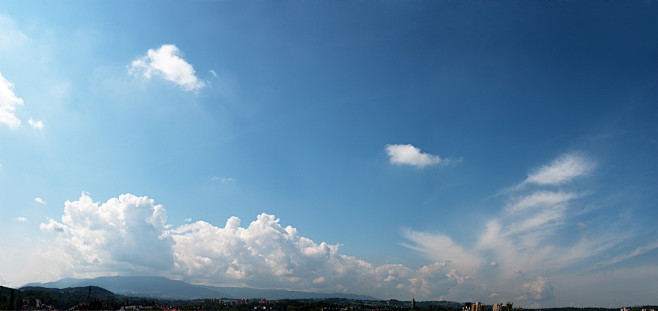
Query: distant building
<point x="467" y="306"/>
<point x="413" y="303"/>
<point x="478" y="307"/>
<point x="498" y="307"/>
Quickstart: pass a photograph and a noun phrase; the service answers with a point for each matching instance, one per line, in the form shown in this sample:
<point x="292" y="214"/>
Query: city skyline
<point x="463" y="151"/>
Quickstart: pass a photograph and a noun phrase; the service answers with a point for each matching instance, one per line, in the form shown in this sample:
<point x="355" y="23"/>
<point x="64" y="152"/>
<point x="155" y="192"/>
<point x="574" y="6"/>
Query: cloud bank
<point x="129" y="235"/>
<point x="165" y="62"/>
<point x="516" y="255"/>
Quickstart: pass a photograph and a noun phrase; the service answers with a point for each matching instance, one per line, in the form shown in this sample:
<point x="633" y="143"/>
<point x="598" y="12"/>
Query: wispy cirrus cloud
<point x="10" y="36"/>
<point x="540" y="199"/>
<point x="520" y="250"/>
<point x="441" y="248"/>
<point x="407" y="154"/>
<point x="165" y="62"/>
<point x="562" y="170"/>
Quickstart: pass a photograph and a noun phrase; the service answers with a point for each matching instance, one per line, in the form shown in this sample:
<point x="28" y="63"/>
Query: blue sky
<point x="489" y="151"/>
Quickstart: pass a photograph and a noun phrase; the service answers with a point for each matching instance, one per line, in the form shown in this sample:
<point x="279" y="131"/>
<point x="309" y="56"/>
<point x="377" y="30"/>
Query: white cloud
<point x="37" y="125"/>
<point x="562" y="170"/>
<point x="129" y="235"/>
<point x="166" y="63"/>
<point x="264" y="254"/>
<point x="213" y="73"/>
<point x="541" y="199"/>
<point x="529" y="239"/>
<point x="518" y="253"/>
<point x="442" y="248"/>
<point x="538" y="290"/>
<point x="39" y="200"/>
<point x="638" y="251"/>
<point x="410" y="155"/>
<point x="21" y="219"/>
<point x="8" y="103"/>
<point x="123" y="234"/>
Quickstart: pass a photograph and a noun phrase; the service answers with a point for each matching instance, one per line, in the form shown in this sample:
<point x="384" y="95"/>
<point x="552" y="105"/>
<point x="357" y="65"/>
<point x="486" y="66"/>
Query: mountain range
<point x="164" y="288"/>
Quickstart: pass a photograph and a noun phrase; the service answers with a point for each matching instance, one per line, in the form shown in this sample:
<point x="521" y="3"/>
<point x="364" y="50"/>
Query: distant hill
<point x="164" y="288"/>
<point x="71" y="296"/>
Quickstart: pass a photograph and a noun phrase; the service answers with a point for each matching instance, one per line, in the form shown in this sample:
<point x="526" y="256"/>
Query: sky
<point x="485" y="151"/>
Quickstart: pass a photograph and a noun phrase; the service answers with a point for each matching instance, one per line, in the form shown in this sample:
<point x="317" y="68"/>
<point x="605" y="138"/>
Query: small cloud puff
<point x="165" y="62"/>
<point x="410" y="155"/>
<point x="37" y="125"/>
<point x="39" y="200"/>
<point x="21" y="219"/>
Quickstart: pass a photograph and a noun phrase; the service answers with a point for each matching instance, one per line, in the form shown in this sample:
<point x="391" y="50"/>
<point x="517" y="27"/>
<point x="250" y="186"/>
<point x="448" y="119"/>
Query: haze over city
<point x="437" y="150"/>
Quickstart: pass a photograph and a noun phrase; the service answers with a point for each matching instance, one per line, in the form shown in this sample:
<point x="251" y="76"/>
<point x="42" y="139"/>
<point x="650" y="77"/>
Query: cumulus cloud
<point x="166" y="63"/>
<point x="538" y="290"/>
<point x="39" y="200"/>
<point x="8" y="103"/>
<point x="267" y="254"/>
<point x="410" y="155"/>
<point x="561" y="170"/>
<point x="129" y="235"/>
<point x="37" y="125"/>
<point x="123" y="234"/>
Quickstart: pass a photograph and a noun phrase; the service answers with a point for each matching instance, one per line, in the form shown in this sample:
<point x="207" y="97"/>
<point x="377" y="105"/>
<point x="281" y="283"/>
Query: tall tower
<point x="413" y="303"/>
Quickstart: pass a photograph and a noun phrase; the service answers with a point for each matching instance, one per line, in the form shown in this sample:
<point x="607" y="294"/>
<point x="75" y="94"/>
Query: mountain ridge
<point x="165" y="288"/>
